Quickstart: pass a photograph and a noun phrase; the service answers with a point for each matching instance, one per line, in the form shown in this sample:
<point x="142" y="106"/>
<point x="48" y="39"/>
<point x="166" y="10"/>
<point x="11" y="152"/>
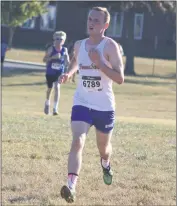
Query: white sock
<point x="47" y="102"/>
<point x="105" y="163"/>
<point x="57" y="90"/>
<point x="72" y="180"/>
<point x="55" y="106"/>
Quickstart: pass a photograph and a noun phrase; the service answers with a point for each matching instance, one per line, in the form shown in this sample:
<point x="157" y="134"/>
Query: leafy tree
<point x="15" y="13"/>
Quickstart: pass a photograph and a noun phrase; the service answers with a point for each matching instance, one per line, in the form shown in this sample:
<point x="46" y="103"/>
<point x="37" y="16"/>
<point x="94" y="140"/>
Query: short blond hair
<point x="60" y="34"/>
<point x="105" y="11"/>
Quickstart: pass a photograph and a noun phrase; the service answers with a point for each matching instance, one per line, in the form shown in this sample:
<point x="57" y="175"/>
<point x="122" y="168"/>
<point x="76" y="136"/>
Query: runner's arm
<point x="47" y="57"/>
<point x="73" y="67"/>
<point x="67" y="59"/>
<point x="116" y="61"/>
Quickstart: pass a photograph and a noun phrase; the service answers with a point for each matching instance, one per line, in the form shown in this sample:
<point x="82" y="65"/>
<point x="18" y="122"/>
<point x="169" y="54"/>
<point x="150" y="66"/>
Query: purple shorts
<point x="102" y="120"/>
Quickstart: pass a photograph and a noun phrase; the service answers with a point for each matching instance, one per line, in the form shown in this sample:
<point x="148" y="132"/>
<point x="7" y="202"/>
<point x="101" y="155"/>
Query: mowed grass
<point x="142" y="65"/>
<point x="35" y="147"/>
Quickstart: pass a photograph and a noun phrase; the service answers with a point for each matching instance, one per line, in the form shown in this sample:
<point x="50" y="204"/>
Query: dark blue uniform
<point x="55" y="67"/>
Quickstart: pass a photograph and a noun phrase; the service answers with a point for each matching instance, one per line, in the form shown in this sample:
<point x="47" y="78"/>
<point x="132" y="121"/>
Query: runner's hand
<point x="56" y="56"/>
<point x="95" y="57"/>
<point x="63" y="78"/>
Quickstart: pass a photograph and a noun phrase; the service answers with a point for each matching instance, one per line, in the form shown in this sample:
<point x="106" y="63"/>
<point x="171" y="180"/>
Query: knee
<point x="57" y="87"/>
<point x="49" y="90"/>
<point x="78" y="143"/>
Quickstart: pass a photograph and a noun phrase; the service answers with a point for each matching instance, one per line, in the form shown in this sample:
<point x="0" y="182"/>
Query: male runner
<point x="57" y="59"/>
<point x="100" y="62"/>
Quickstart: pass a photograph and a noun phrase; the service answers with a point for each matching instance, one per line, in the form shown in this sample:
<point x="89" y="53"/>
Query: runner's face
<point x="58" y="41"/>
<point x="96" y="22"/>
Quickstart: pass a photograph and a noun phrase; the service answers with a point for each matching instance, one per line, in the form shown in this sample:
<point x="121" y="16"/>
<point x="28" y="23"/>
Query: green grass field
<point x="142" y="65"/>
<point x="35" y="147"/>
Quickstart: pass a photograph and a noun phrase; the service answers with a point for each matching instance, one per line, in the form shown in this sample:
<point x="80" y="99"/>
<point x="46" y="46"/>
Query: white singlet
<point x="94" y="89"/>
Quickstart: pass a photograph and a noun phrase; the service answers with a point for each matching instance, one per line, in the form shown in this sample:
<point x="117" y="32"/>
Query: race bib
<point x="57" y="66"/>
<point x="92" y="84"/>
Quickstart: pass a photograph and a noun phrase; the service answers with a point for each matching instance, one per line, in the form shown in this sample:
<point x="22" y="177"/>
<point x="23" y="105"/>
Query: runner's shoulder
<point x="49" y="49"/>
<point x="65" y="49"/>
<point x="111" y="45"/>
<point x="77" y="44"/>
<point x="111" y="42"/>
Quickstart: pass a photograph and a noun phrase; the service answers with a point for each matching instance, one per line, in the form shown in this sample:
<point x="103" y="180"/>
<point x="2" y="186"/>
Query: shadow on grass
<point x="20" y="72"/>
<point x="34" y="71"/>
<point x="29" y="84"/>
<point x="148" y="82"/>
<point x="21" y="199"/>
<point x="151" y="79"/>
<point x="169" y="76"/>
<point x="23" y="72"/>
